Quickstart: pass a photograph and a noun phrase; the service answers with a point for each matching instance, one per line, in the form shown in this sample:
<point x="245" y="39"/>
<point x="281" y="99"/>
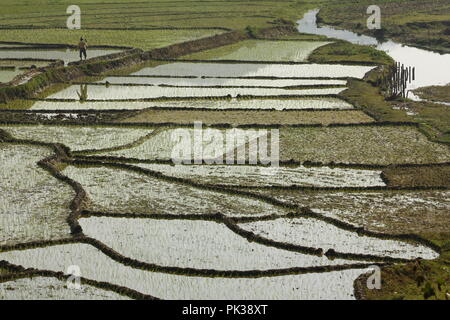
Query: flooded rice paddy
<point x="33" y="205"/>
<point x="216" y="104"/>
<point x="207" y="231"/>
<point x="258" y="50"/>
<point x="96" y="92"/>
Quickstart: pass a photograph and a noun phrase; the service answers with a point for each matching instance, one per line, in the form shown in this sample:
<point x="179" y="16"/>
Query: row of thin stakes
<point x="397" y="78"/>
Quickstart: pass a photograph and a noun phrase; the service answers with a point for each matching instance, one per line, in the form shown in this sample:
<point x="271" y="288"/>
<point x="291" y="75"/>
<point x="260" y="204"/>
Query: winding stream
<point x="431" y="68"/>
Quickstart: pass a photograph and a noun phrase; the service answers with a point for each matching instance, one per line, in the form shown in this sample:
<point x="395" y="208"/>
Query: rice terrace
<point x="225" y="150"/>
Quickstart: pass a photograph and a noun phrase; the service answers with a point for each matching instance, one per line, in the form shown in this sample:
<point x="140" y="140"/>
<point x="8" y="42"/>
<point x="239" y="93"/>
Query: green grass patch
<point x="343" y="51"/>
<point x="416" y="22"/>
<point x="420" y="280"/>
<point x="434" y="93"/>
<point x="370" y="99"/>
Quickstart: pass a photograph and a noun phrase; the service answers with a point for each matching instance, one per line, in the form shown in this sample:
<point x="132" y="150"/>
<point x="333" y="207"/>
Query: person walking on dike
<point x="82" y="45"/>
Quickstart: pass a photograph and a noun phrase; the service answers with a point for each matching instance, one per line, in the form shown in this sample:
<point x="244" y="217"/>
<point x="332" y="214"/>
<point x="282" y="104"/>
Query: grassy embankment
<point x="423" y="279"/>
<point x="421" y="23"/>
<point x="434" y="93"/>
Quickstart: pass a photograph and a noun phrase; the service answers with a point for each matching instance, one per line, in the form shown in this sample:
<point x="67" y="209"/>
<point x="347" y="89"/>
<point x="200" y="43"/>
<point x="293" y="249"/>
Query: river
<point x="431" y="68"/>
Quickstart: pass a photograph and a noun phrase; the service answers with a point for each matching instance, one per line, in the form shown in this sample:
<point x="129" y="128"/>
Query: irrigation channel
<point x="106" y="199"/>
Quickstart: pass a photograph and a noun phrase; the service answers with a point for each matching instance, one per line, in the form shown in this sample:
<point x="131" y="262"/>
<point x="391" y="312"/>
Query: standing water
<point x="431" y="68"/>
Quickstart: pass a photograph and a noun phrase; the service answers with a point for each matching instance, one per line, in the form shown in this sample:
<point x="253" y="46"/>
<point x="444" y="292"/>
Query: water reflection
<point x="431" y="68"/>
<point x="83" y="93"/>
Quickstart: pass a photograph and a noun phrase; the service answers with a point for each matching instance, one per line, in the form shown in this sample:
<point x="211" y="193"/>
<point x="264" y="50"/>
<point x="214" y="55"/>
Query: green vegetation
<point x="434" y="93"/>
<point x="156" y="24"/>
<point x="416" y="22"/>
<point x="250" y="117"/>
<point x="429" y="176"/>
<point x="371" y="100"/>
<point x="343" y="51"/>
<point x="143" y="39"/>
<point x="153" y="13"/>
<point x="422" y="279"/>
<point x="369" y="144"/>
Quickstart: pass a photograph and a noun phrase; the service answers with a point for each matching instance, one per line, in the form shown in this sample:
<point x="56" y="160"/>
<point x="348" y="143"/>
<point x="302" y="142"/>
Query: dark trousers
<point x="83" y="53"/>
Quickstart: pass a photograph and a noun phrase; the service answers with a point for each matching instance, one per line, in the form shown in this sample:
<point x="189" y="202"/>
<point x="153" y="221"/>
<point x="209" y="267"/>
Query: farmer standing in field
<point x="82" y="45"/>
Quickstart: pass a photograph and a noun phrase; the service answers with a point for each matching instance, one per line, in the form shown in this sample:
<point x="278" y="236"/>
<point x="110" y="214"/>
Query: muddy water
<point x="431" y="68"/>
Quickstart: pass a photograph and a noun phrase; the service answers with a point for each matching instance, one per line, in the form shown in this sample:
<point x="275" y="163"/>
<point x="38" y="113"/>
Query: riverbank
<point x="424" y="24"/>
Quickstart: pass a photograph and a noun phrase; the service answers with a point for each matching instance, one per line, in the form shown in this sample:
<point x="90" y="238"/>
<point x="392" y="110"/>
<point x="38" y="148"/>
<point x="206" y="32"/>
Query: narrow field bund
<point x="215" y="69"/>
<point x="93" y="66"/>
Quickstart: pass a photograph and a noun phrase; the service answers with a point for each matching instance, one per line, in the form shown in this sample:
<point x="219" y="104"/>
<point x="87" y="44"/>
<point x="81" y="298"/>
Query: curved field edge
<point x="51" y="164"/>
<point x="15" y="272"/>
<point x="418" y="280"/>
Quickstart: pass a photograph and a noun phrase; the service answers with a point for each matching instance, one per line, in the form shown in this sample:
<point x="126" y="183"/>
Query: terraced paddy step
<point x="47" y="288"/>
<point x="99" y="267"/>
<point x="256" y="176"/>
<point x="78" y="137"/>
<point x="144" y="38"/>
<point x="224" y="249"/>
<point x="193" y="244"/>
<point x="348" y="144"/>
<point x="379" y="211"/>
<point x="254" y="70"/>
<point x="260" y="117"/>
<point x="34" y="205"/>
<point x="96" y="92"/>
<point x="322" y="103"/>
<point x="261" y="50"/>
<point x="122" y="191"/>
